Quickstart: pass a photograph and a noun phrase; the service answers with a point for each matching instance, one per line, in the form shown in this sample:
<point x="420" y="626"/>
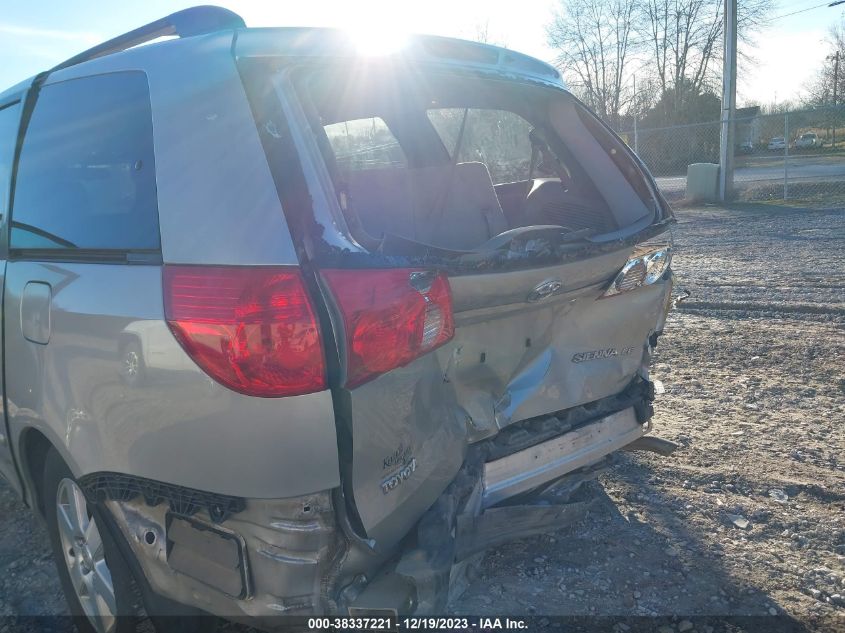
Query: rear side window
<point x="9" y="117"/>
<point x="364" y="144"/>
<point x="86" y="174"/>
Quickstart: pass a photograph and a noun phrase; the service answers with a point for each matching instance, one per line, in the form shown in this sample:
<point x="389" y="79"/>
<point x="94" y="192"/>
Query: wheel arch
<point x="34" y="447"/>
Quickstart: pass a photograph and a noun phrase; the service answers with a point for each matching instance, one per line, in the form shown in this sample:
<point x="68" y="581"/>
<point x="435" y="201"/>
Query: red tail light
<point x="251" y="329"/>
<point x="390" y="317"/>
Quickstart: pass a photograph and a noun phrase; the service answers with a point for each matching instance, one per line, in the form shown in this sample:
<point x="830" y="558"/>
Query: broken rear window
<point x="455" y="162"/>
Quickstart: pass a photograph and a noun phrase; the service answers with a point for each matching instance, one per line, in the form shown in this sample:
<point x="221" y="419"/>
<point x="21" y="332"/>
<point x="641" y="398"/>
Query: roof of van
<point x="319" y="42"/>
<point x="311" y="42"/>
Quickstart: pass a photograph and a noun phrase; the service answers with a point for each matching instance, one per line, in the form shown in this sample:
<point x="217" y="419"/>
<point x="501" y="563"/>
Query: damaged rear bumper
<point x="465" y="520"/>
<point x="273" y="558"/>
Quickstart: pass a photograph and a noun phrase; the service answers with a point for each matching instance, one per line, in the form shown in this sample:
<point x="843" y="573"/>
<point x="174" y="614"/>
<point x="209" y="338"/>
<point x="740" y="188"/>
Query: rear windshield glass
<point x="452" y="161"/>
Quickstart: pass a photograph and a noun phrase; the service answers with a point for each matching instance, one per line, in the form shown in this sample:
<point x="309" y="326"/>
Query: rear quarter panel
<point x="178" y="425"/>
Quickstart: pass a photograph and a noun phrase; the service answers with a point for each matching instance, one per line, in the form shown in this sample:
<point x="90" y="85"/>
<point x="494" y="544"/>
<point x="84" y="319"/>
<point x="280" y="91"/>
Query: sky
<point x="37" y="34"/>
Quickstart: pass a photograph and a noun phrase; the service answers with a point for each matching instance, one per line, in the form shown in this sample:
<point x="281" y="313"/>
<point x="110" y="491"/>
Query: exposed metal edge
<point x="529" y="468"/>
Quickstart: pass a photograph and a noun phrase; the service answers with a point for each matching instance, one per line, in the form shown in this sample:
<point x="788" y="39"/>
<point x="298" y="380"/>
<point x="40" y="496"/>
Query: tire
<point x="87" y="558"/>
<point x="132" y="367"/>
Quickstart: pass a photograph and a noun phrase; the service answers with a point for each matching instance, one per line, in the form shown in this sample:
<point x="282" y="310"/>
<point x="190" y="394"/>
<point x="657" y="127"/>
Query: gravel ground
<point x="747" y="518"/>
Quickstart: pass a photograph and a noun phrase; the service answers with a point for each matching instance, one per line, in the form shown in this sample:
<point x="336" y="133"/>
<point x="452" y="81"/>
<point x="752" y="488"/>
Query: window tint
<point x="9" y="117"/>
<point x="86" y="175"/>
<point x="364" y="144"/>
<point x="498" y="138"/>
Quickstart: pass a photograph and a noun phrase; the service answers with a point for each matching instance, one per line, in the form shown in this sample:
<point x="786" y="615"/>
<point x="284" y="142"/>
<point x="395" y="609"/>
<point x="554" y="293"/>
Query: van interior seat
<point x="410" y="203"/>
<point x="550" y="202"/>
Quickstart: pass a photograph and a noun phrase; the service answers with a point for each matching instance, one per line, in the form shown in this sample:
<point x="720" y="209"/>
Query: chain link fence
<point x="795" y="158"/>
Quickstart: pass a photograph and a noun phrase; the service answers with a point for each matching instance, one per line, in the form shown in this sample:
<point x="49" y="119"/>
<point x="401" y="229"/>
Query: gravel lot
<point x="746" y="519"/>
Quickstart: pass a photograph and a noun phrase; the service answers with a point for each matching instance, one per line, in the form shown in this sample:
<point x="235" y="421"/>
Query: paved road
<point x="771" y="168"/>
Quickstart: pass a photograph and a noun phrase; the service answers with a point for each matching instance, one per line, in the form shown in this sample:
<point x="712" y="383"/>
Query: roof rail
<point x="192" y="21"/>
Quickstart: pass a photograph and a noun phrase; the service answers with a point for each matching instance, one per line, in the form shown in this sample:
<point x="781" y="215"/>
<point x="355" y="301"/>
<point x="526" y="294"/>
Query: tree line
<point x="821" y="90"/>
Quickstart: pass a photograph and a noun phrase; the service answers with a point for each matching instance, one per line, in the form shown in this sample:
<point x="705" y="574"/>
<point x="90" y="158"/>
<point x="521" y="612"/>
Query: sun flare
<point x="377" y="40"/>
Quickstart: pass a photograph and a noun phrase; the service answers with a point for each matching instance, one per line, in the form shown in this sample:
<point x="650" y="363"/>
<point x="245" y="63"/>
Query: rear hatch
<point x="477" y="242"/>
<point x="516" y="353"/>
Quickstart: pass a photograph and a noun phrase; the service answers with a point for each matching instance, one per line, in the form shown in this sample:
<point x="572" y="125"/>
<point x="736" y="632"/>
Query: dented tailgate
<point x="517" y="355"/>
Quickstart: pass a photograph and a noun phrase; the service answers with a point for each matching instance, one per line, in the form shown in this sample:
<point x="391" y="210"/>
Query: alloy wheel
<point x="85" y="558"/>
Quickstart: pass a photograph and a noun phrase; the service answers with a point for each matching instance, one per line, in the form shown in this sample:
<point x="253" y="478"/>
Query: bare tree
<point x="820" y="90"/>
<point x="683" y="35"/>
<point x="685" y="43"/>
<point x="594" y="41"/>
<point x="482" y="34"/>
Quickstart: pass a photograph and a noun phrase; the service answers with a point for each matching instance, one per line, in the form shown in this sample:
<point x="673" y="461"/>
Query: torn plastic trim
<point x="366" y="544"/>
<point x="108" y="486"/>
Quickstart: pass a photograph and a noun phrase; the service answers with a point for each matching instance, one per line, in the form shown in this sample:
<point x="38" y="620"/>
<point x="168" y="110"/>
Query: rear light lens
<point x="656" y="264"/>
<point x="639" y="271"/>
<point x="251" y="329"/>
<point x="390" y="317"/>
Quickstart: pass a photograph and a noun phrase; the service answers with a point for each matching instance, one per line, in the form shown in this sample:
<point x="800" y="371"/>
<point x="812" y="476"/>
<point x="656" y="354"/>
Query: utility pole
<point x="726" y="137"/>
<point x="835" y="79"/>
<point x="835" y="86"/>
<point x="786" y="155"/>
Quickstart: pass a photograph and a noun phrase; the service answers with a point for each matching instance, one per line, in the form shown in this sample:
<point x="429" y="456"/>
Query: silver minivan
<point x="289" y="328"/>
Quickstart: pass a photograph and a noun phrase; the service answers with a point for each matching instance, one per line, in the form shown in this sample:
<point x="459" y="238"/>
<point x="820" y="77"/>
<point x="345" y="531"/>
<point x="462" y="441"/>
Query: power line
<point x="786" y="15"/>
<point x="798" y="4"/>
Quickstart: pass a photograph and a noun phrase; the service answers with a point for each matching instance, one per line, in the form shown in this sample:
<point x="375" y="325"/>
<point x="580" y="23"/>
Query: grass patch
<point x="799" y="194"/>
